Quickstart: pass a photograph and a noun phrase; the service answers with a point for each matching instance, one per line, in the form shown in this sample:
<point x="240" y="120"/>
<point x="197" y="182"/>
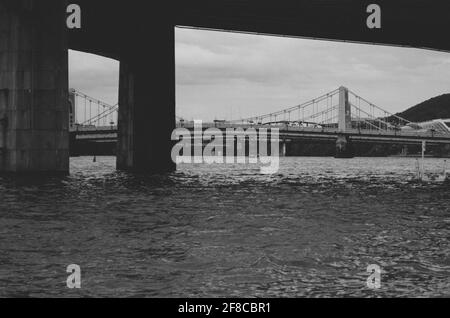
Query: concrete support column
<point x="345" y="116"/>
<point x="344" y="148"/>
<point x="147" y="104"/>
<point x="33" y="87"/>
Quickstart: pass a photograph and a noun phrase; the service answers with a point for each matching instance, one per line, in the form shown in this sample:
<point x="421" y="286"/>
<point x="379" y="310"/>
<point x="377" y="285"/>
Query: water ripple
<point x="310" y="230"/>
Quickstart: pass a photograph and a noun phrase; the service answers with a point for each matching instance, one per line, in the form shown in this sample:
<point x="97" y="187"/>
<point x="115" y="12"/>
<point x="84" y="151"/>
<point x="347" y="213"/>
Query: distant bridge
<point x="340" y="116"/>
<point x="33" y="112"/>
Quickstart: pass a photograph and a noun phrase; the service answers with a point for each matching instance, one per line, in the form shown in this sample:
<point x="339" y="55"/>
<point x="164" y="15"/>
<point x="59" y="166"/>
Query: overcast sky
<point x="224" y="75"/>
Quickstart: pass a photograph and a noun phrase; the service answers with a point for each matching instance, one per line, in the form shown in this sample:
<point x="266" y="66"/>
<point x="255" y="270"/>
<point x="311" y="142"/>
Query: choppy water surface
<point x="310" y="230"/>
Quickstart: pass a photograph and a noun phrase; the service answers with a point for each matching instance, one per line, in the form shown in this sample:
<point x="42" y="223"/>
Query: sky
<point x="223" y="75"/>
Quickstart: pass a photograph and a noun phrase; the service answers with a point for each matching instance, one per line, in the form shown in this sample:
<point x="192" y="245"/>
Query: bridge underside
<point x="107" y="25"/>
<point x="140" y="34"/>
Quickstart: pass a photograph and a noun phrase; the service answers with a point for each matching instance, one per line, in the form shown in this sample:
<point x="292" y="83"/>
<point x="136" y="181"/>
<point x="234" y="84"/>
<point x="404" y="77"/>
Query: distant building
<point x="441" y="126"/>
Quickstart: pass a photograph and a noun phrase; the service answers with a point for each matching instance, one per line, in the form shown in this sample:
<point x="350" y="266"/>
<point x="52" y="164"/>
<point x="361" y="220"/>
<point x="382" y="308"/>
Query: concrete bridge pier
<point x="147" y="103"/>
<point x="344" y="148"/>
<point x="33" y="87"/>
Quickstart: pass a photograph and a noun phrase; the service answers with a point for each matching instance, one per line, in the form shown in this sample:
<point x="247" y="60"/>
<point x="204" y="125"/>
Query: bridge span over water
<point x="34" y="39"/>
<point x="339" y="116"/>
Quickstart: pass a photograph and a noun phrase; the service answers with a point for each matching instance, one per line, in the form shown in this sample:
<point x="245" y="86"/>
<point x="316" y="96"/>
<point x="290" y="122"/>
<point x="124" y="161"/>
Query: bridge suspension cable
<point x="90" y="111"/>
<point x="324" y="111"/>
<point x="296" y="113"/>
<point x="381" y="116"/>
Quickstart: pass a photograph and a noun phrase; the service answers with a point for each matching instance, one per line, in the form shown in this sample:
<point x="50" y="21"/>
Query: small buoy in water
<point x="95" y="159"/>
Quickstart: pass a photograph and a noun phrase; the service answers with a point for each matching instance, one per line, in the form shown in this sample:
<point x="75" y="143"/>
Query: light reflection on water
<point x="209" y="231"/>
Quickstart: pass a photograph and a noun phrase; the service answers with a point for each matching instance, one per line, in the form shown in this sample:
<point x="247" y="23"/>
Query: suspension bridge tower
<point x="344" y="147"/>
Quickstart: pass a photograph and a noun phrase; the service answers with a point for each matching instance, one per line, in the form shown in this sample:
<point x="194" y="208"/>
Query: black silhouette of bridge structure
<point x="34" y="43"/>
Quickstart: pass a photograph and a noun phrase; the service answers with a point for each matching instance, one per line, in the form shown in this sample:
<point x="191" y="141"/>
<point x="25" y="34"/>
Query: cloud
<point x="224" y="75"/>
<point x="94" y="75"/>
<point x="252" y="74"/>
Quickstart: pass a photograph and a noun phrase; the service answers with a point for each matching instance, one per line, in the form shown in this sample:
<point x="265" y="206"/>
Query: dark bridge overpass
<point x="107" y="24"/>
<point x="34" y="41"/>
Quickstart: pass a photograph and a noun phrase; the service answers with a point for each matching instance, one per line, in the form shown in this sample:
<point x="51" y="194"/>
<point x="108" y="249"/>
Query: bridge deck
<point x="290" y="133"/>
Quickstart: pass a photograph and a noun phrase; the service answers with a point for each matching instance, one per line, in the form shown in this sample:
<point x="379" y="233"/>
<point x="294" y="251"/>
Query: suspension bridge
<point x="340" y="115"/>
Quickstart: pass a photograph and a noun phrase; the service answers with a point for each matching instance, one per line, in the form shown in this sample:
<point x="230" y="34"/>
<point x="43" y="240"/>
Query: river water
<point x="210" y="231"/>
